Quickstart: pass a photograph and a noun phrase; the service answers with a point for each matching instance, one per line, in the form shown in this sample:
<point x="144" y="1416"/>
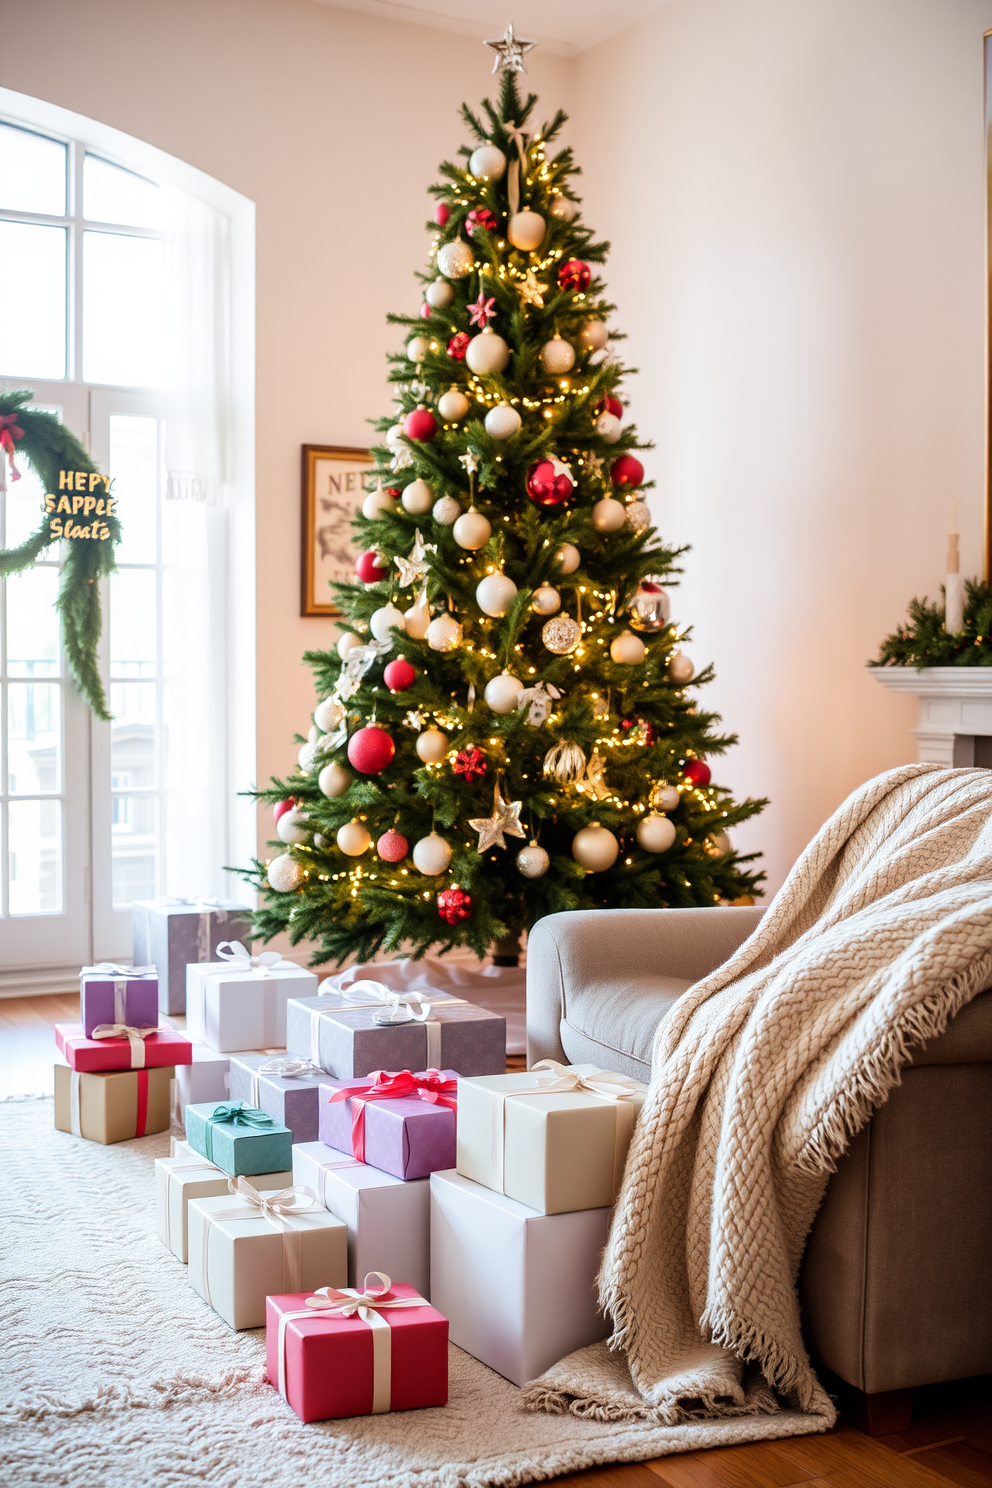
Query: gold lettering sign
<point x="82" y="503"/>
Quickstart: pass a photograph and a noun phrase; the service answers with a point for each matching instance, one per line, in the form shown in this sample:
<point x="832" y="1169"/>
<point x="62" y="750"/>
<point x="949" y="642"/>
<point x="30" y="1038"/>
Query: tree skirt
<point x="116" y="1373"/>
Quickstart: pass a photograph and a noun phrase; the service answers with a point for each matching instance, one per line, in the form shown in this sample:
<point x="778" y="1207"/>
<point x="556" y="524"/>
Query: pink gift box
<point x="89" y="1056"/>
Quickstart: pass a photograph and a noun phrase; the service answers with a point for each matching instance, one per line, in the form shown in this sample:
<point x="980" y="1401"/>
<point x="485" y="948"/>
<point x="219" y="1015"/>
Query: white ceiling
<point x="563" y="26"/>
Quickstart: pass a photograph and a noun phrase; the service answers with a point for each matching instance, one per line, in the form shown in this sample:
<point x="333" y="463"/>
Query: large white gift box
<point x="388" y="1218"/>
<point x="517" y="1287"/>
<point x="189" y="1176"/>
<point x="247" y="1245"/>
<point x="239" y="1002"/>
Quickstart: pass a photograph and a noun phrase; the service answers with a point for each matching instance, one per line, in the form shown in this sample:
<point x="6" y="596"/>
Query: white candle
<point x="954" y="583"/>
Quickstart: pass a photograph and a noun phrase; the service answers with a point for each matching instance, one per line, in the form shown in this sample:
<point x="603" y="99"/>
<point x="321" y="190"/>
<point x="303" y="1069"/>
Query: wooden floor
<point x="949" y="1441"/>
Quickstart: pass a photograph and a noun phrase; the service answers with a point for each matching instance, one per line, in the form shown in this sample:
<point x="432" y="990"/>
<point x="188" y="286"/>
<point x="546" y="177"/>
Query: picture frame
<point x="334" y="487"/>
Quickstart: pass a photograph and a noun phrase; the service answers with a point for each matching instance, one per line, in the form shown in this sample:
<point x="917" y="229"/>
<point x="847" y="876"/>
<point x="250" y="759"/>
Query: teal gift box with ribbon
<point x="239" y="1138"/>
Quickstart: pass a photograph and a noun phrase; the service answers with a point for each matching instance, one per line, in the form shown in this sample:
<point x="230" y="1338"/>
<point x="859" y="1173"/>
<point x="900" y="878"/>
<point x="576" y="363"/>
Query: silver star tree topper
<point x="510" y="51"/>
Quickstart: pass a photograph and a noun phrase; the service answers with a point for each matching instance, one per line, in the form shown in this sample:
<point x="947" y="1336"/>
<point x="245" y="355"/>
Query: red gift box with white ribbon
<point x="115" y="1046"/>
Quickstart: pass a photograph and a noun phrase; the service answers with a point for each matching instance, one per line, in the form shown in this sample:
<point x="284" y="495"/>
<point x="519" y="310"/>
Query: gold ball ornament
<point x="446" y="511"/>
<point x="533" y="861"/>
<point x="455" y="260"/>
<point x="328" y="714"/>
<point x="655" y="833"/>
<point x="431" y="855"/>
<point x="453" y="405"/>
<point x="495" y="594"/>
<point x="593" y="335"/>
<point x="638" y="516"/>
<point x="568" y="558"/>
<point x="444" y="633"/>
<point x="628" y="648"/>
<point x="557" y="355"/>
<point x="472" y="530"/>
<point x="561" y="634"/>
<point x="526" y="230"/>
<point x="417" y="348"/>
<point x="334" y="779"/>
<point x="353" y="839"/>
<point x="384" y="620"/>
<point x="718" y="844"/>
<point x="432" y="746"/>
<point x="503" y="692"/>
<point x="595" y="848"/>
<point x="487" y="352"/>
<point x="487" y="163"/>
<point x="609" y="515"/>
<point x="563" y="208"/>
<point x="377" y="502"/>
<point x="284" y="874"/>
<point x="545" y="600"/>
<point x="440" y="294"/>
<point x="416" y="620"/>
<point x="680" y="667"/>
<point x="348" y="642"/>
<point x="417" y="498"/>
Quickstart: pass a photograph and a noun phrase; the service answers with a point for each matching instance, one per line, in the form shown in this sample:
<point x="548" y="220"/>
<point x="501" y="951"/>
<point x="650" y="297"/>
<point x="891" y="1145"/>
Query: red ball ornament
<point x="610" y="405"/>
<point x="399" y="675"/>
<point x="627" y="471"/>
<point x="426" y="311"/>
<point x="480" y="218"/>
<point x="471" y="763"/>
<point x="370" y="568"/>
<point x="454" y="904"/>
<point x="574" y="275"/>
<point x="281" y="807"/>
<point x="441" y="213"/>
<point x="549" y="482"/>
<point x="458" y="345"/>
<point x="696" y="772"/>
<point x="371" y="749"/>
<point x="420" y="424"/>
<point x="392" y="846"/>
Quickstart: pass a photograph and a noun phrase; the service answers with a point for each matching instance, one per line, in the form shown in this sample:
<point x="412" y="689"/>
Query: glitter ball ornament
<point x="526" y="230"/>
<point x="371" y="749"/>
<point x="385" y="620"/>
<point x="348" y="642"/>
<point x="446" y="511"/>
<point x="575" y="275"/>
<point x="487" y="163"/>
<point x="440" y="294"/>
<point x="696" y="773"/>
<point x="593" y="335"/>
<point x="370" y="567"/>
<point x="495" y="594"/>
<point x="417" y="498"/>
<point x="549" y="482"/>
<point x="377" y="502"/>
<point x="392" y="846"/>
<point x="334" y="779"/>
<point x="292" y="827"/>
<point x="417" y="348"/>
<point x="638" y="516"/>
<point x="353" y="839"/>
<point x="649" y="609"/>
<point x="458" y="346"/>
<point x="564" y="209"/>
<point x="454" y="905"/>
<point x="680" y="668"/>
<point x="568" y="558"/>
<point x="609" y="427"/>
<point x="595" y="848"/>
<point x="455" y="259"/>
<point x="627" y="471"/>
<point x="453" y="405"/>
<point x="472" y="530"/>
<point x="281" y="807"/>
<point x="561" y="635"/>
<point x="503" y="692"/>
<point x="655" y="833"/>
<point x="664" y="797"/>
<point x="557" y="355"/>
<point x="416" y="620"/>
<point x="503" y="421"/>
<point x="432" y="746"/>
<point x="546" y="600"/>
<point x="284" y="874"/>
<point x="480" y="219"/>
<point x="441" y="213"/>
<point x="608" y="515"/>
<point x="627" y="648"/>
<point x="487" y="352"/>
<point x="420" y="424"/>
<point x="399" y="675"/>
<point x="471" y="763"/>
<point x="444" y="634"/>
<point x="431" y="855"/>
<point x="533" y="861"/>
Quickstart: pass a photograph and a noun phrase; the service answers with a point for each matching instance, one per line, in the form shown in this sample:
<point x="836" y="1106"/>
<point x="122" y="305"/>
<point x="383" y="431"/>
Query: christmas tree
<point x="507" y="728"/>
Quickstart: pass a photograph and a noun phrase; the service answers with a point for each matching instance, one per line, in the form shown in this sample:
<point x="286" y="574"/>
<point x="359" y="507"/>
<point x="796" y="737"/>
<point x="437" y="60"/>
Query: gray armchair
<point x="895" y="1281"/>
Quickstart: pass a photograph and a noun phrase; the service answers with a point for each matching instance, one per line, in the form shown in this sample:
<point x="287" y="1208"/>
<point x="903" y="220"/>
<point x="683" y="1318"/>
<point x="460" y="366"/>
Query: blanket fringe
<point x="783" y="1370"/>
<point x="538" y="1397"/>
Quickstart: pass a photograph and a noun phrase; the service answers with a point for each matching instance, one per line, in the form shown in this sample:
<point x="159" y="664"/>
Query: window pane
<point x="133" y="848"/>
<point x="132" y="735"/>
<point x="134" y="467"/>
<point x="23" y="504"/>
<point x="32" y="172"/>
<point x="32" y="320"/>
<point x="34" y="738"/>
<point x="35" y="837"/>
<point x="121" y="309"/>
<point x="112" y="194"/>
<point x="133" y="648"/>
<point x="33" y="623"/>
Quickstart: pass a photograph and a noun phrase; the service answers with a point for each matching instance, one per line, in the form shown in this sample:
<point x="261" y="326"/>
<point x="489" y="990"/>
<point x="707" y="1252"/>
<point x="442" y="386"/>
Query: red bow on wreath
<point x="10" y="430"/>
<point x="430" y="1085"/>
<point x="471" y="763"/>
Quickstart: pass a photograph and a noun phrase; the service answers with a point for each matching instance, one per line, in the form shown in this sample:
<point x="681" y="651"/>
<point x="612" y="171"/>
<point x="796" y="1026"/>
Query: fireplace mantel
<point x="954" y="725"/>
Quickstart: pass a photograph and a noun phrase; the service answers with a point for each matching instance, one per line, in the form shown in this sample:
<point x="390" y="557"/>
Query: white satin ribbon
<point x="516" y="168"/>
<point x="349" y="1302"/>
<point x="239" y="958"/>
<point x="286" y="1069"/>
<point x="174" y="1173"/>
<point x="391" y="1008"/>
<point x="331" y="1167"/>
<point x="135" y="1037"/>
<point x="121" y="975"/>
<point x="279" y="1209"/>
<point x="74" y="1122"/>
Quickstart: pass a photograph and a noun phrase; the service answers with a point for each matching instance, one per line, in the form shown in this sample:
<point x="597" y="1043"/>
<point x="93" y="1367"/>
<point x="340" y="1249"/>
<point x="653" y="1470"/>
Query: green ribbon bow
<point x="237" y="1114"/>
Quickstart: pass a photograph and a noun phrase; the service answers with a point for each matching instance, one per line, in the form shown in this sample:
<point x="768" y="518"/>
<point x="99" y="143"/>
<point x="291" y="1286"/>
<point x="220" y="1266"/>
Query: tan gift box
<point x="554" y="1138"/>
<point x="112" y="1106"/>
<point x="187" y="1176"/>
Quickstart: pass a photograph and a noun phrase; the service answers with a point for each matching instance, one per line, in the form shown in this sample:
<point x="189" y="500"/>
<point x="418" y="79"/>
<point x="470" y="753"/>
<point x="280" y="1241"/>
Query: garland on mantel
<point x="79" y="510"/>
<point x="924" y="642"/>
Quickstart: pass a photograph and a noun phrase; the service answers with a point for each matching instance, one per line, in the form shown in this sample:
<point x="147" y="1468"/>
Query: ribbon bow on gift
<point x="273" y="1206"/>
<point x="135" y="1037"/>
<point x="394" y="1007"/>
<point x="115" y="969"/>
<point x="347" y="1302"/>
<point x="603" y="1083"/>
<point x="239" y="1114"/>
<point x="430" y="1085"/>
<point x="291" y="1069"/>
<point x="241" y="959"/>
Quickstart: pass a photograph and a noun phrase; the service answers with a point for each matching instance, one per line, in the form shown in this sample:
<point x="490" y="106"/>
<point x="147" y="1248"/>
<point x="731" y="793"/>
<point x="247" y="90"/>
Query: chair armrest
<point x="566" y="950"/>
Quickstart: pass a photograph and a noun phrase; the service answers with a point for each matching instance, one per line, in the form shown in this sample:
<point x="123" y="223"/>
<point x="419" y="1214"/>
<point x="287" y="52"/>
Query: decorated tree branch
<point x="925" y="641"/>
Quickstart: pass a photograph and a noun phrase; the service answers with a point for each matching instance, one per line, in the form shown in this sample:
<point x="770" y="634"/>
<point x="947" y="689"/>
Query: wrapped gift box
<point x="388" y="1220"/>
<point x="238" y="1256"/>
<point x="518" y="1287"/>
<point x="110" y="994"/>
<point x="403" y="1134"/>
<point x="114" y="1106"/>
<point x="554" y="1150"/>
<point x="286" y="1087"/>
<point x="205" y="1078"/>
<point x="240" y="1139"/>
<point x="170" y="933"/>
<point x="349" y="1042"/>
<point x="90" y="1055"/>
<point x="187" y="1176"/>
<point x="235" y="1005"/>
<point x="326" y="1365"/>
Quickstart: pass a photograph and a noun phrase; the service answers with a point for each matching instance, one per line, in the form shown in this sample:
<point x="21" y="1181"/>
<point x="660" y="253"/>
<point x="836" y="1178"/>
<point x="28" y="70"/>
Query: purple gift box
<point x="287" y="1088"/>
<point x="349" y="1042"/>
<point x="406" y="1136"/>
<point x="118" y="994"/>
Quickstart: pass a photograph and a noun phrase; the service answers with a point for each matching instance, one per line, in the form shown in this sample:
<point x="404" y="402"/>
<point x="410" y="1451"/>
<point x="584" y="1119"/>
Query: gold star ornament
<point x="531" y="290"/>
<point x="505" y="819"/>
<point x="510" y="53"/>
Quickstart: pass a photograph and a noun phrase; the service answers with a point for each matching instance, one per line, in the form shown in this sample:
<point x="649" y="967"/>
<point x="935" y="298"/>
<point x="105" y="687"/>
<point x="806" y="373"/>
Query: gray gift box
<point x="348" y="1042"/>
<point x="293" y="1100"/>
<point x="170" y="933"/>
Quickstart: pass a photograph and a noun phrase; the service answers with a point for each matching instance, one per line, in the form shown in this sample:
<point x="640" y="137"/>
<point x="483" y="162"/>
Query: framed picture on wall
<point x="334" y="486"/>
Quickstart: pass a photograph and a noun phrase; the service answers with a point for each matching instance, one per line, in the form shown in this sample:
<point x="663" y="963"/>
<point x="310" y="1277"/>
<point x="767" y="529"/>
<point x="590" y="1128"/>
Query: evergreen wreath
<point x="924" y="641"/>
<point x="92" y="528"/>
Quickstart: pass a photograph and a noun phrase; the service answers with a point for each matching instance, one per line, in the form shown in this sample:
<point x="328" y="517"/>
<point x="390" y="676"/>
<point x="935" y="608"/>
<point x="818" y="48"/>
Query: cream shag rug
<point x="115" y="1373"/>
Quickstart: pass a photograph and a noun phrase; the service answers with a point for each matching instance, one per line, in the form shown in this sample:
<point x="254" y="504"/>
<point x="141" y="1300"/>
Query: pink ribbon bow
<point x="430" y="1085"/>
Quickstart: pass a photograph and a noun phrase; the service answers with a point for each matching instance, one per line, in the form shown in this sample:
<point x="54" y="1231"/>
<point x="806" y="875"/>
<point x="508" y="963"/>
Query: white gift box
<point x="240" y="1003"/>
<point x="204" y="1079"/>
<point x="388" y="1218"/>
<point x="517" y="1287"/>
<point x="187" y="1176"/>
<point x="239" y="1255"/>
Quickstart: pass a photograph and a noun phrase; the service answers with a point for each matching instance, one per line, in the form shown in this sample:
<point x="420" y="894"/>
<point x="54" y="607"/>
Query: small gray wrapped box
<point x="288" y="1089"/>
<point x="349" y="1042"/>
<point x="170" y="933"/>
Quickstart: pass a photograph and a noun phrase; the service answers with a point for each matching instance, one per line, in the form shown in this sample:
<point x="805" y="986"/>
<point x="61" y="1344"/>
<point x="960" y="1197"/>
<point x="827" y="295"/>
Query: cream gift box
<point x="554" y="1138"/>
<point x="245" y="1246"/>
<point x="239" y="1002"/>
<point x="388" y="1219"/>
<point x="350" y="1040"/>
<point x="114" y="1105"/>
<point x="187" y="1176"/>
<point x="170" y="933"/>
<point x="517" y="1287"/>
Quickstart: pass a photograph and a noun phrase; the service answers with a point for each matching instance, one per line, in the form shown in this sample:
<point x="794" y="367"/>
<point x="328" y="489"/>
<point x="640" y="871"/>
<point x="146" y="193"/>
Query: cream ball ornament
<point x="664" y="797"/>
<point x="348" y="642"/>
<point x="444" y="633"/>
<point x="291" y="827"/>
<point x="384" y="620"/>
<point x="680" y="667"/>
<point x="353" y="839"/>
<point x="416" y="620"/>
<point x="609" y="515"/>
<point x="503" y="692"/>
<point x="334" y="779"/>
<point x="495" y="594"/>
<point x="503" y="421"/>
<point x="432" y="746"/>
<point x="533" y="861"/>
<point x="455" y="259"/>
<point x="446" y="511"/>
<point x="453" y="405"/>
<point x="627" y="648"/>
<point x="545" y="600"/>
<point x="377" y="502"/>
<point x="655" y="833"/>
<point x="472" y="530"/>
<point x="487" y="163"/>
<point x="328" y="714"/>
<point x="563" y="208"/>
<point x="557" y="355"/>
<point x="440" y="294"/>
<point x="526" y="230"/>
<point x="718" y="844"/>
<point x="568" y="558"/>
<point x="307" y="756"/>
<point x="487" y="352"/>
<point x="285" y="874"/>
<point x="431" y="855"/>
<point x="595" y="848"/>
<point x="395" y="436"/>
<point x="609" y="427"/>
<point x="417" y="348"/>
<point x="593" y="335"/>
<point x="417" y="498"/>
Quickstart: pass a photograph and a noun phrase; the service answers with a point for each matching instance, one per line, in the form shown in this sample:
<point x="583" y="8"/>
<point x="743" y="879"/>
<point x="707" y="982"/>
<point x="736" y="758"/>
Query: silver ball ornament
<point x="561" y="635"/>
<point x="680" y="667"/>
<point x="444" y="633"/>
<point x="545" y="600"/>
<point x="284" y="874"/>
<point x="568" y="558"/>
<point x="446" y="511"/>
<point x="638" y="516"/>
<point x="593" y="335"/>
<point x="717" y="844"/>
<point x="563" y="208"/>
<point x="455" y="260"/>
<point x="431" y="855"/>
<point x="664" y="797"/>
<point x="649" y="609"/>
<point x="487" y="163"/>
<point x="557" y="355"/>
<point x="533" y="861"/>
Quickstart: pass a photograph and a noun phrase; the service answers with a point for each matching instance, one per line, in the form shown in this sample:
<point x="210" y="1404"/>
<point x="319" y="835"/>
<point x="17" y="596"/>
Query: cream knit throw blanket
<point x="762" y="1074"/>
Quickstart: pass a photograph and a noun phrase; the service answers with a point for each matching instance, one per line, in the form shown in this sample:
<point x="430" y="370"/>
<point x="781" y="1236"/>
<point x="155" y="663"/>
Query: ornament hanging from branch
<point x="565" y="761"/>
<point x="505" y="818"/>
